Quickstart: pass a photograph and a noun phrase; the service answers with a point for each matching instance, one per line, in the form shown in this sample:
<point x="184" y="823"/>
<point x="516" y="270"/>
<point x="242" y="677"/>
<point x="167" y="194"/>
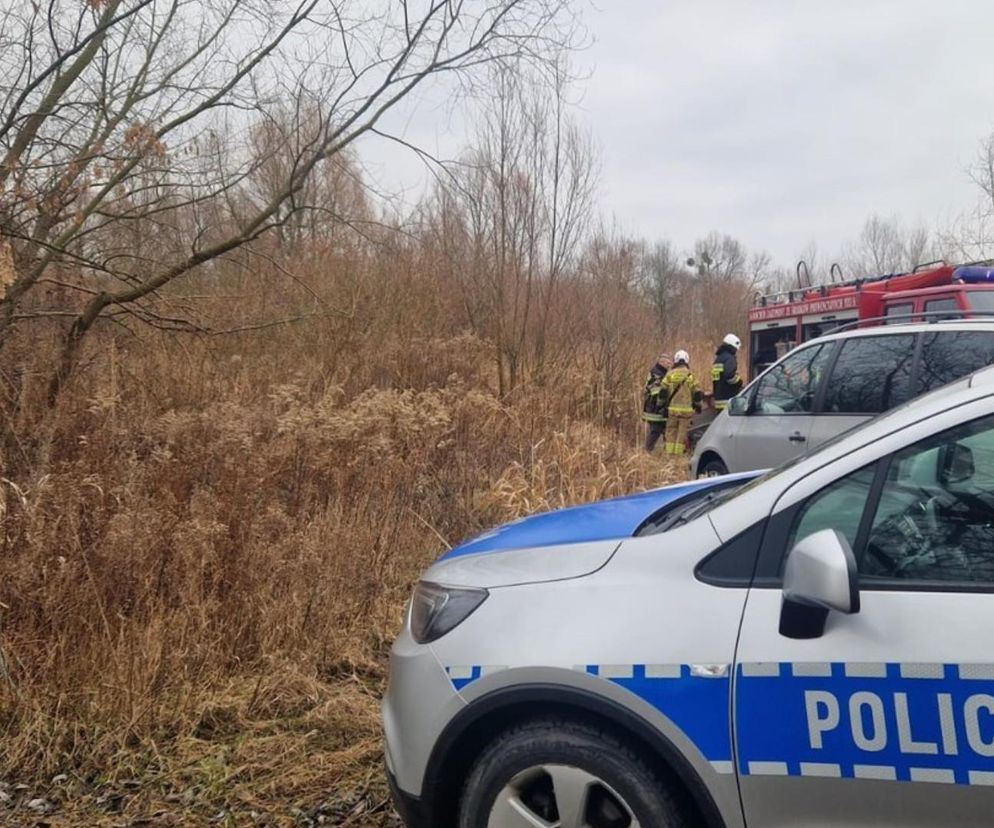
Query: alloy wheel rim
<point x="559" y="796"/>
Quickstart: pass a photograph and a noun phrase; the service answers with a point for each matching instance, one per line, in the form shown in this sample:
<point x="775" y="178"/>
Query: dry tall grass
<point x="201" y="577"/>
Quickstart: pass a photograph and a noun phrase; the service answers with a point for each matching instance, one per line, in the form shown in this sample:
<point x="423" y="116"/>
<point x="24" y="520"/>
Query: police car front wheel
<point x="560" y="774"/>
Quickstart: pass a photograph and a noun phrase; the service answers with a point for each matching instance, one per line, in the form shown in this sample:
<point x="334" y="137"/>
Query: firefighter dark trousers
<point x="677" y="427"/>
<point x="655" y="430"/>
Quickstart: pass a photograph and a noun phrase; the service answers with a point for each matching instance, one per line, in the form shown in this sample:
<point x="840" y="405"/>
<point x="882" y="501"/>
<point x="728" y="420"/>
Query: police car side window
<point x="934" y="520"/>
<point x="838" y="506"/>
<point x="871" y="374"/>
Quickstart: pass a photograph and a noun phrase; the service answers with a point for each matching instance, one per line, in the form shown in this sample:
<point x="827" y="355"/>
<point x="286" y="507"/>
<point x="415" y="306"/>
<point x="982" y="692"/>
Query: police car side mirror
<point x="820" y="575"/>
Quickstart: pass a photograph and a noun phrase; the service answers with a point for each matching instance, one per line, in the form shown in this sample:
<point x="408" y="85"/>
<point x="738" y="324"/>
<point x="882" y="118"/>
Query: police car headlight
<point x="437" y="609"/>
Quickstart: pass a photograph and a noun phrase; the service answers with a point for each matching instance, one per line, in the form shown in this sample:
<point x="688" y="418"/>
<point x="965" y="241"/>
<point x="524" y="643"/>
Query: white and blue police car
<point x="807" y="647"/>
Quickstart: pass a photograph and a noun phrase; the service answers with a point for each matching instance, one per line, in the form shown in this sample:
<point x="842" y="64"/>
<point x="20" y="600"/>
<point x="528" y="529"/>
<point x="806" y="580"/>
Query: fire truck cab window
<point x="769" y="344"/>
<point x="872" y="374"/>
<point x="792" y="386"/>
<point x="902" y="312"/>
<point x="812" y="330"/>
<point x="981" y="300"/>
<point x="937" y="305"/>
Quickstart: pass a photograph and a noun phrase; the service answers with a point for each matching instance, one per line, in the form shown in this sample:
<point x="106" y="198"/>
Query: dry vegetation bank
<point x="244" y="403"/>
<point x="201" y="576"/>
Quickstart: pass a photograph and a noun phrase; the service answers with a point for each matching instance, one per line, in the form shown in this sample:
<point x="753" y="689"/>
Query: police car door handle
<point x="797" y="437"/>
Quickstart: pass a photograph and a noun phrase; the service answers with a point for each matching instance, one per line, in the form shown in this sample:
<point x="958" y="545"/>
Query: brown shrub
<point x="214" y="552"/>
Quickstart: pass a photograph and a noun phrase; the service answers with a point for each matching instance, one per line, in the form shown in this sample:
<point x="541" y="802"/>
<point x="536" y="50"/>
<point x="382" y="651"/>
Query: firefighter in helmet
<point x="725" y="378"/>
<point x="684" y="398"/>
<point x="654" y="401"/>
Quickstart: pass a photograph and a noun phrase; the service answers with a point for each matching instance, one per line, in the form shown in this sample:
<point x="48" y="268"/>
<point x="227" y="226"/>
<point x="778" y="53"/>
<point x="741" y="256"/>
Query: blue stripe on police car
<point x="903" y="722"/>
<point x="911" y="722"/>
<point x="693" y="697"/>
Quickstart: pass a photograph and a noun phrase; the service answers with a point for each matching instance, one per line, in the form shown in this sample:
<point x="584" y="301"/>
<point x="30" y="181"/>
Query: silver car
<point x="833" y="383"/>
<point x="805" y="648"/>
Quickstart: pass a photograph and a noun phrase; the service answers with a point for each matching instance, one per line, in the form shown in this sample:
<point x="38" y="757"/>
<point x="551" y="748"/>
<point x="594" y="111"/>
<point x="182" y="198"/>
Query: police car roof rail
<point x="931" y="317"/>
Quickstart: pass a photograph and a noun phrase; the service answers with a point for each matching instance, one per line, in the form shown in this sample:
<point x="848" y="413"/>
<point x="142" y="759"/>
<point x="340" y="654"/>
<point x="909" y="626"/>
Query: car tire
<point x="713" y="467"/>
<point x="563" y="773"/>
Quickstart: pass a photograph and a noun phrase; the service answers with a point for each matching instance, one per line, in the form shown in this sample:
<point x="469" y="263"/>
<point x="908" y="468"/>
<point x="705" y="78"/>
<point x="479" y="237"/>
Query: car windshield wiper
<point x="705" y="504"/>
<point x="696" y="507"/>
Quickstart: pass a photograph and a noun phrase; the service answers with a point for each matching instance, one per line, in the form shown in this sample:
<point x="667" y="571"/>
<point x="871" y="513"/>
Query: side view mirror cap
<point x="820" y="575"/>
<point x="737" y="406"/>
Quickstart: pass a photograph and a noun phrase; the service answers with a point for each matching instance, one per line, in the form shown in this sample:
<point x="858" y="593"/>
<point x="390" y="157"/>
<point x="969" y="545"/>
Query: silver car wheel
<point x="559" y="796"/>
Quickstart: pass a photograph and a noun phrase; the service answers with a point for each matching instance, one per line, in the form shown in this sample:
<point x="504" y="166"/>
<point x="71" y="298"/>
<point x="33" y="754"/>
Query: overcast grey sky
<point x="782" y="123"/>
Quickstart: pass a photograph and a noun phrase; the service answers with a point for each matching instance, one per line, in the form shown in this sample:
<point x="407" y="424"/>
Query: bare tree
<point x="126" y="127"/>
<point x="615" y="322"/>
<point x="982" y="170"/>
<point x="726" y="276"/>
<point x="663" y="279"/>
<point x="571" y="165"/>
<point x="879" y="248"/>
<point x="971" y="236"/>
<point x="521" y="201"/>
<point x="719" y="258"/>
<point x="885" y="246"/>
<point x="330" y="203"/>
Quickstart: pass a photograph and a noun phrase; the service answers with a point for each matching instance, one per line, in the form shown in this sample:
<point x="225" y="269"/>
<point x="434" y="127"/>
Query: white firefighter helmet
<point x="733" y="340"/>
<point x="681" y="356"/>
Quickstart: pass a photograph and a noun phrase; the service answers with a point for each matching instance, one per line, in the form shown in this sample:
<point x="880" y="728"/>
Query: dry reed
<point x="202" y="574"/>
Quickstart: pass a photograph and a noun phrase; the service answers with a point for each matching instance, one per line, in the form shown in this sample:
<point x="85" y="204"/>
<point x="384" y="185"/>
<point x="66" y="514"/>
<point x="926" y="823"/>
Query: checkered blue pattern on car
<point x="904" y="722"/>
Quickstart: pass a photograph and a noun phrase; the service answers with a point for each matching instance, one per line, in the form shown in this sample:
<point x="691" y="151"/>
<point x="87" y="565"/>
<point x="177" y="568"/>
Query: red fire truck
<point x="778" y="322"/>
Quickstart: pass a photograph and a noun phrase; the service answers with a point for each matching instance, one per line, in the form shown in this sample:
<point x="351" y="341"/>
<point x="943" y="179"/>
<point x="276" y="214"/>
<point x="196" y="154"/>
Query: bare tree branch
<point x="131" y="127"/>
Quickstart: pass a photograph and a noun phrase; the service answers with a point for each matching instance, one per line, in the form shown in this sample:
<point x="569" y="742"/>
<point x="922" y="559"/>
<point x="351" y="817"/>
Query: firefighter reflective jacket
<point x="683" y="391"/>
<point x="725" y="374"/>
<point x="655" y="397"/>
